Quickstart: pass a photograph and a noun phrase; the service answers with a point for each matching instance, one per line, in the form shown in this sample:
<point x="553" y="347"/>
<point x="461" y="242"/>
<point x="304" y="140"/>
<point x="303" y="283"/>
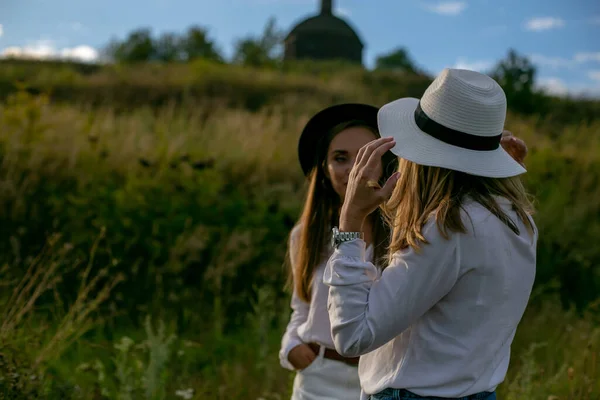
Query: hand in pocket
<point x="301" y="356"/>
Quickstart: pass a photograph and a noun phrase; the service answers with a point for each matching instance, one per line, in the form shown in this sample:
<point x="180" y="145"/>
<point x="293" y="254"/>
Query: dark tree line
<point x="141" y="46"/>
<point x="515" y="73"/>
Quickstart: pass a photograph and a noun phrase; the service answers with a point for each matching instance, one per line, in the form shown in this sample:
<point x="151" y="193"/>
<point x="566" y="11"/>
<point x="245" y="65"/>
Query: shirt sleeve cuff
<point x="347" y="265"/>
<point x="285" y="351"/>
<point x="355" y="249"/>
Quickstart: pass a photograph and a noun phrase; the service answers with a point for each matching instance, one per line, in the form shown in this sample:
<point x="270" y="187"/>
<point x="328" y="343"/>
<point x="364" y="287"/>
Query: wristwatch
<point x="338" y="237"/>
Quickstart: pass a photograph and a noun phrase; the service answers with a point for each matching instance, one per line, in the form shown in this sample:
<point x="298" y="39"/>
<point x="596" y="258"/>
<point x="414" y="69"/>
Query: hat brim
<point x="322" y="122"/>
<point x="396" y="119"/>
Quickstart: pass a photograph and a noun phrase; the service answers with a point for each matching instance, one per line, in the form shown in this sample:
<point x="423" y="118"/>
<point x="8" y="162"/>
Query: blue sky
<point x="561" y="37"/>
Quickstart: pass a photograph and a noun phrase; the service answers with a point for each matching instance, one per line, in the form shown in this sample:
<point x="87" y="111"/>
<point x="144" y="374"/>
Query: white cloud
<point x="479" y="66"/>
<point x="562" y="62"/>
<point x="585" y="90"/>
<point x="544" y="23"/>
<point x="1" y="30"/>
<point x="553" y="86"/>
<point x="82" y="53"/>
<point x="557" y="87"/>
<point x="46" y="49"/>
<point x="554" y="62"/>
<point x="448" y="7"/>
<point x="585" y="57"/>
<point x="594" y="75"/>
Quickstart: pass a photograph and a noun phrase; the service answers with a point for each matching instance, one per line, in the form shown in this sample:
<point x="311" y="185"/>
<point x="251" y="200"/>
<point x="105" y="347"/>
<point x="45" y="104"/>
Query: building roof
<point x="326" y="25"/>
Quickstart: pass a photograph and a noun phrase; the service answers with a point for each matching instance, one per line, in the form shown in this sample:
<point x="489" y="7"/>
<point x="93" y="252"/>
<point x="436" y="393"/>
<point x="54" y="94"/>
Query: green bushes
<point x="182" y="229"/>
<point x="175" y="189"/>
<point x="183" y="212"/>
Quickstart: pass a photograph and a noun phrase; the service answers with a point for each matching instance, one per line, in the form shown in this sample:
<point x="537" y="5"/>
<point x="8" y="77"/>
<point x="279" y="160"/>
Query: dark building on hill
<point x="323" y="37"/>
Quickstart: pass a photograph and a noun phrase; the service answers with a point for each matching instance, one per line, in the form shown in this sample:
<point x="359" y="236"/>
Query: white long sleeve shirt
<point x="309" y="322"/>
<point x="439" y="322"/>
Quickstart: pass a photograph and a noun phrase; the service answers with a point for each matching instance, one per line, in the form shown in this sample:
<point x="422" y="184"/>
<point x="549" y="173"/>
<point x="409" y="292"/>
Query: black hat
<point x="322" y="122"/>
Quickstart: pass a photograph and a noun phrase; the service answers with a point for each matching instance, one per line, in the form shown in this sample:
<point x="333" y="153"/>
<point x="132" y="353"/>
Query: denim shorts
<point x="403" y="394"/>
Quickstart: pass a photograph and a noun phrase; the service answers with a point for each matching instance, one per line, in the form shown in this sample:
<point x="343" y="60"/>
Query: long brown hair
<point x="423" y="191"/>
<point x="321" y="213"/>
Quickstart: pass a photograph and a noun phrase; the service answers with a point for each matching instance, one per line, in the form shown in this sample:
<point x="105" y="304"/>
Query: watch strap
<point x="340" y="237"/>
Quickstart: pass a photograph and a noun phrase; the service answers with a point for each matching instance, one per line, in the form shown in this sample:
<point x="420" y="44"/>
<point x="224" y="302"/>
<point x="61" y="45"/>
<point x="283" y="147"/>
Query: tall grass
<point x="31" y="337"/>
<point x="143" y="251"/>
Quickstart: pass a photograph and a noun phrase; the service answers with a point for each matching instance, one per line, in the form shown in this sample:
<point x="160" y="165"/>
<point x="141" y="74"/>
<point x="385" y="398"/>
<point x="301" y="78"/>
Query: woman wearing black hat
<point x="327" y="149"/>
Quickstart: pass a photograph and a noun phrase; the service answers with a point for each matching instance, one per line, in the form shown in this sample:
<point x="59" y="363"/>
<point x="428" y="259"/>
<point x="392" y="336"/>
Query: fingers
<point x="308" y="356"/>
<point x="508" y="139"/>
<point x="365" y="152"/>
<point x="515" y="147"/>
<point x="375" y="157"/>
<point x="309" y="353"/>
<point x="359" y="155"/>
<point x="513" y="144"/>
<point x="520" y="144"/>
<point x="387" y="189"/>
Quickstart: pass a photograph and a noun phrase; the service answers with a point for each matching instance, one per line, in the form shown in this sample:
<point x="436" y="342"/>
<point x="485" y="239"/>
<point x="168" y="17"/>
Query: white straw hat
<point x="457" y="125"/>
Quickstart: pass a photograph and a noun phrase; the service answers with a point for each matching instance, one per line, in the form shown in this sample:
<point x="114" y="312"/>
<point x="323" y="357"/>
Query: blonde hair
<point x="423" y="191"/>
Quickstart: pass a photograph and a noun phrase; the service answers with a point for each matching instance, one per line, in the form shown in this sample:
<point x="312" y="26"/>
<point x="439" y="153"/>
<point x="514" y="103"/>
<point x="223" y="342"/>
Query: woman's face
<point x="341" y="156"/>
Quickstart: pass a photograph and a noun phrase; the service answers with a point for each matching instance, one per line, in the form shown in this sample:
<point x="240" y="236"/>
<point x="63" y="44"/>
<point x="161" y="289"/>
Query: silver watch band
<point x="340" y="237"/>
<point x="347" y="236"/>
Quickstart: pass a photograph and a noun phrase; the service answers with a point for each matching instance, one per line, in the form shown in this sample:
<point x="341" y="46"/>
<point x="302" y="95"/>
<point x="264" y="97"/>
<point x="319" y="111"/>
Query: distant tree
<point x="260" y="51"/>
<point x="168" y="48"/>
<point x="272" y="39"/>
<point x="517" y="75"/>
<point x="515" y="72"/>
<point x="249" y="52"/>
<point x="138" y="47"/>
<point x="397" y="59"/>
<point x="196" y="44"/>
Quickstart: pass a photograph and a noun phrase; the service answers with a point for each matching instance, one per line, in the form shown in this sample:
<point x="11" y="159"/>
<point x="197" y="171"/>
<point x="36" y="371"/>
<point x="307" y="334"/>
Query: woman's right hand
<point x="301" y="356"/>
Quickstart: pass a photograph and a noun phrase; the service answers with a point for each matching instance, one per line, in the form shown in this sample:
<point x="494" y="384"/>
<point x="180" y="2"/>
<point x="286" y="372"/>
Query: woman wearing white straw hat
<point x="439" y="320"/>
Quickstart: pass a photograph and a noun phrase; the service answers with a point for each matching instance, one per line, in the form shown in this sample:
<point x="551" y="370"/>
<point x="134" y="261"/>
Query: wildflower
<point x="186" y="394"/>
<point x="571" y="373"/>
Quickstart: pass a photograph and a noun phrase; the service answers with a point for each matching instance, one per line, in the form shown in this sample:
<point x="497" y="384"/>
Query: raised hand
<point x="363" y="193"/>
<point x="514" y="146"/>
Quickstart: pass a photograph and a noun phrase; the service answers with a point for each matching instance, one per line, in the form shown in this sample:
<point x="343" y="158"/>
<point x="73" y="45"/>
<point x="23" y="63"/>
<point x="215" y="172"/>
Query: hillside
<point x="137" y="85"/>
<point x="168" y="191"/>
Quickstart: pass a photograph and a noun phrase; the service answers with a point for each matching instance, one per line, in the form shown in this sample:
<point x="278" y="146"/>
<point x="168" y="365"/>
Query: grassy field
<point x="145" y="213"/>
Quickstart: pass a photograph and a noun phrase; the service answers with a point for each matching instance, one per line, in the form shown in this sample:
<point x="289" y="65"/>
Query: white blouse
<point x="309" y="321"/>
<point x="439" y="322"/>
